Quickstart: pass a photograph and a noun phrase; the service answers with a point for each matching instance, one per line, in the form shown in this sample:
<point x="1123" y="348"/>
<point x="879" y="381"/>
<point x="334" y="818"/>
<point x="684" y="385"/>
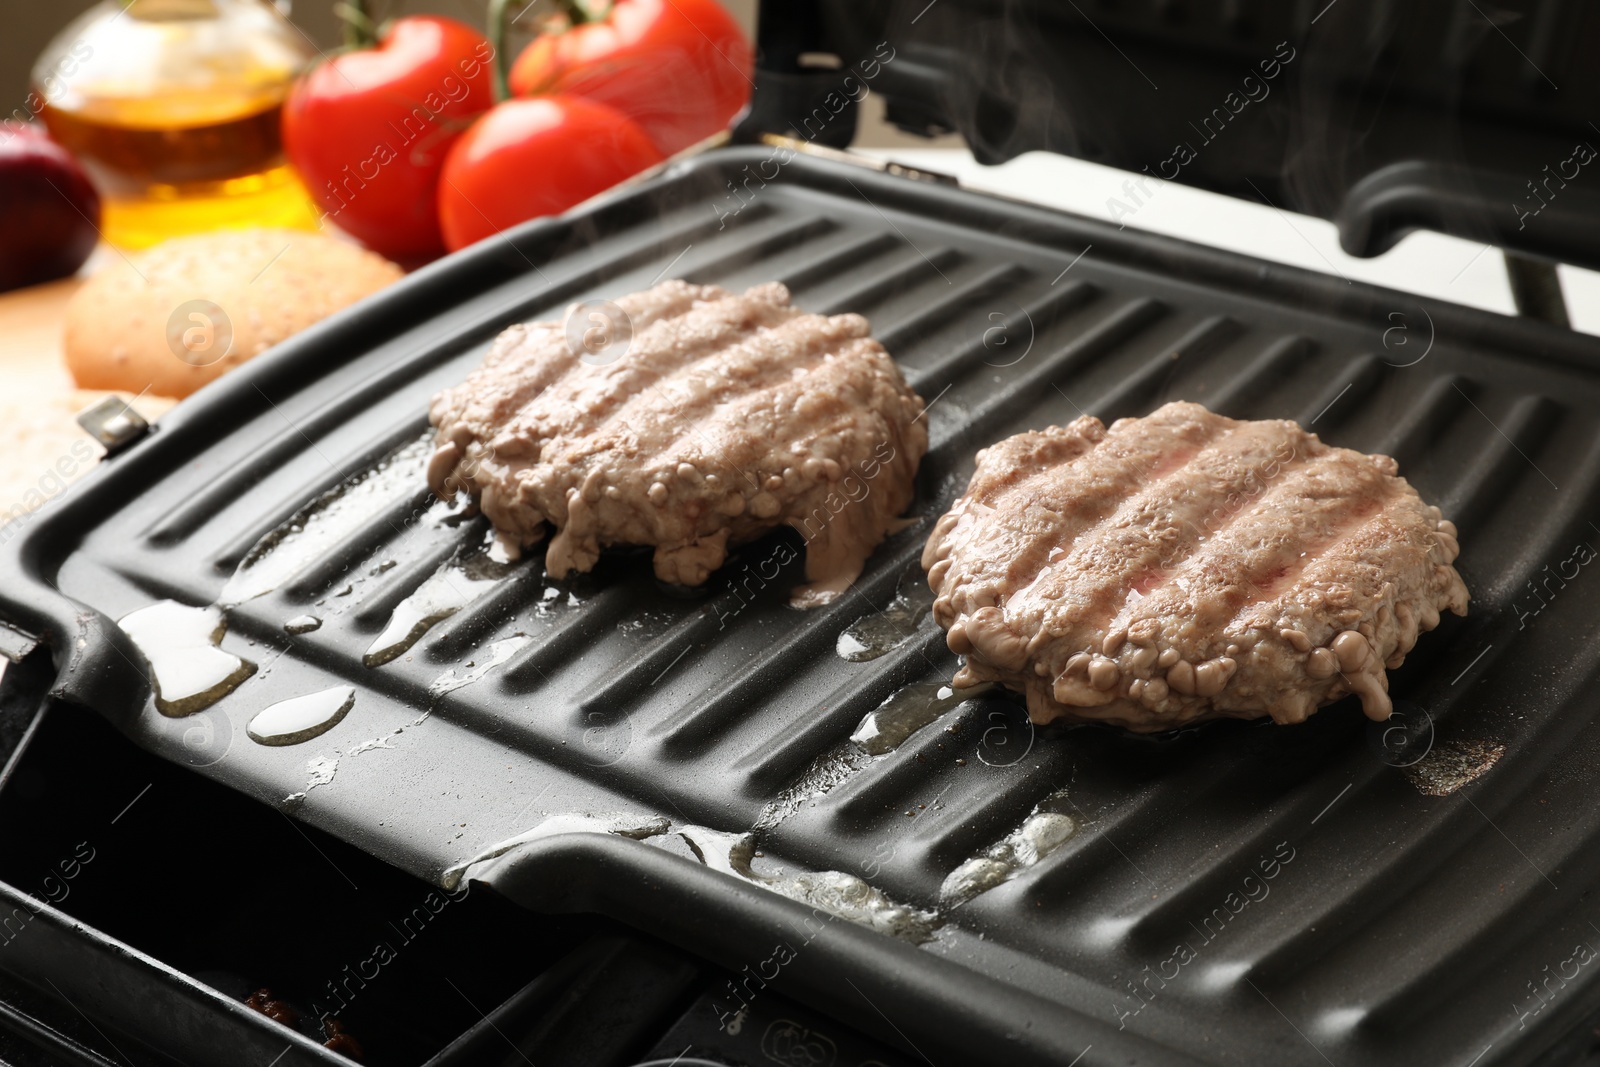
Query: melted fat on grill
<point x="1187" y="566"/>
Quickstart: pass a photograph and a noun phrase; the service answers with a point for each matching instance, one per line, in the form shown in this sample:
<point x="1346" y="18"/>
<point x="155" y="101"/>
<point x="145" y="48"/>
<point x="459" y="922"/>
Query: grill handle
<point x="1543" y="219"/>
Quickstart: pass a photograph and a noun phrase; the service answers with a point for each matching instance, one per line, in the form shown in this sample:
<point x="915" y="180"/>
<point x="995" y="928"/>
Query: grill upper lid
<point x="1381" y="115"/>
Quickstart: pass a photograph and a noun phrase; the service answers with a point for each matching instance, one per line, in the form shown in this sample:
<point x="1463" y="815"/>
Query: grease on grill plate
<point x="835" y="892"/>
<point x="302" y="624"/>
<point x="298" y="719"/>
<point x="1044" y="831"/>
<point x="497" y="653"/>
<point x="315" y="530"/>
<point x="882" y="632"/>
<point x="190" y="671"/>
<point x="455" y="585"/>
<point x="887" y="726"/>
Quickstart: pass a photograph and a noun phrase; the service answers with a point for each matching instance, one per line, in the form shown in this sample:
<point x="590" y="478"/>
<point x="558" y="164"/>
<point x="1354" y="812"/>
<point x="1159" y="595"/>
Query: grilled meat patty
<point x="1187" y="566"/>
<point x="725" y="417"/>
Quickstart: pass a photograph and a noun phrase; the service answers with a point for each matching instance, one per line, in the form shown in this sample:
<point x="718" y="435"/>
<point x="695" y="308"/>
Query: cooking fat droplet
<point x="298" y="719"/>
<point x="191" y="672"/>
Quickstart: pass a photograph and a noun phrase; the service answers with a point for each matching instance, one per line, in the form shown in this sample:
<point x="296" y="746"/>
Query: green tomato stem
<point x="500" y="18"/>
<point x="359" y="29"/>
<point x="499" y="34"/>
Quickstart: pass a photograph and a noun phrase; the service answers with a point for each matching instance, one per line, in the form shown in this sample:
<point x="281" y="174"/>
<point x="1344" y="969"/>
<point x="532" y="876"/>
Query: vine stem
<point x="501" y="17"/>
<point x="359" y="29"/>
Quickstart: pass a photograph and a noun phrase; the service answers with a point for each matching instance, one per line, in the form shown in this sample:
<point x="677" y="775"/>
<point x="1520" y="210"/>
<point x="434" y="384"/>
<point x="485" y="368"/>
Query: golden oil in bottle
<point x="173" y="108"/>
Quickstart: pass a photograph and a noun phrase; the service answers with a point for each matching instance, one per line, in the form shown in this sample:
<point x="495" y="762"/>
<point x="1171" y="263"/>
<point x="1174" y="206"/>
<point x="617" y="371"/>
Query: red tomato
<point x="369" y="130"/>
<point x="535" y="157"/>
<point x="679" y="68"/>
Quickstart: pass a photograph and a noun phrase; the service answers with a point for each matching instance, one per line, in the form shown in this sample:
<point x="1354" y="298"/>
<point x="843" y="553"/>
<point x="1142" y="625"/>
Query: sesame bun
<point x="176" y="316"/>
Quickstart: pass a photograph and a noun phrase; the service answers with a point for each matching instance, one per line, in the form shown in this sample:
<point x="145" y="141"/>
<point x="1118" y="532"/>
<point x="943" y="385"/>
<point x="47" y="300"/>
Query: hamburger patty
<point x="1187" y="566"/>
<point x="725" y="417"/>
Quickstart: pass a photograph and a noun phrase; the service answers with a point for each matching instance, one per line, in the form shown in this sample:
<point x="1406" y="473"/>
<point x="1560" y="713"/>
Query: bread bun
<point x="176" y="316"/>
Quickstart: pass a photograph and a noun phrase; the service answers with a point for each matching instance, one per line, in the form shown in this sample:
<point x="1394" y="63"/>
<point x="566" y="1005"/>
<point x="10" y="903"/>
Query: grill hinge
<point x="882" y="166"/>
<point x="114" y="424"/>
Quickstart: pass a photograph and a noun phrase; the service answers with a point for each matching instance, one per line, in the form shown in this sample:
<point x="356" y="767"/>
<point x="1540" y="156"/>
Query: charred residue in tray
<point x="1453" y="764"/>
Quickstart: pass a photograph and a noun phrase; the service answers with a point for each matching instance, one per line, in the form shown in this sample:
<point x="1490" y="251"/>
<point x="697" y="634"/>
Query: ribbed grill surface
<point x="1395" y="928"/>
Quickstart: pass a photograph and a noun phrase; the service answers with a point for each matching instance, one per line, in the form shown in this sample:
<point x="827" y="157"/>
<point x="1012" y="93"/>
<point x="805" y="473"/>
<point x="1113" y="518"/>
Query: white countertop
<point x="1430" y="264"/>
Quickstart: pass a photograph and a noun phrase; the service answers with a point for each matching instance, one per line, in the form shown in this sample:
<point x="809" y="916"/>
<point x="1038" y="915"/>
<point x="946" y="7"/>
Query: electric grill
<point x="1238" y="893"/>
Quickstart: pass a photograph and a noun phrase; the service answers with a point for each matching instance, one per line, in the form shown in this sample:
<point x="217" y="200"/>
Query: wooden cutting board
<point x="42" y="449"/>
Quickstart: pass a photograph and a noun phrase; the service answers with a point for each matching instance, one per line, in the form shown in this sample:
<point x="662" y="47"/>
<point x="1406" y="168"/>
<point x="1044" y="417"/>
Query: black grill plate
<point x="1396" y="928"/>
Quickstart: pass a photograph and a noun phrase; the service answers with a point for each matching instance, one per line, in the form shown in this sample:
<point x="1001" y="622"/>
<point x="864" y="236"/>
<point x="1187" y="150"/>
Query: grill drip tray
<point x="946" y="876"/>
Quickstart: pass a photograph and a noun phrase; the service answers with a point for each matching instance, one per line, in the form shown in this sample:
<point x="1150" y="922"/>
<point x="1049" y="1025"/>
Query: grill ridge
<point x="959" y="299"/>
<point x="523" y="673"/>
<point x="717" y="707"/>
<point x="1136" y="393"/>
<point x="858" y="250"/>
<point x="1093" y="344"/>
<point x="1528" y="423"/>
<point x="1236" y="397"/>
<point x="1329" y="411"/>
<point x="1442" y="401"/>
<point x="1044" y="313"/>
<point x="915" y="268"/>
<point x="784" y="757"/>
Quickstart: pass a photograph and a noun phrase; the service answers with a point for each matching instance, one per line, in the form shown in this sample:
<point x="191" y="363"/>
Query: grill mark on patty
<point x="1106" y="476"/>
<point x="587" y="399"/>
<point x="664" y="351"/>
<point x="525" y="375"/>
<point x="1220" y="597"/>
<point x="1202" y="552"/>
<point x="728" y="422"/>
<point x="1130" y="553"/>
<point x="686" y="413"/>
<point x="1268" y="586"/>
<point x="697" y="389"/>
<point x="639" y="411"/>
<point x="1375" y="528"/>
<point x="727" y="415"/>
<point x="1223" y="575"/>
